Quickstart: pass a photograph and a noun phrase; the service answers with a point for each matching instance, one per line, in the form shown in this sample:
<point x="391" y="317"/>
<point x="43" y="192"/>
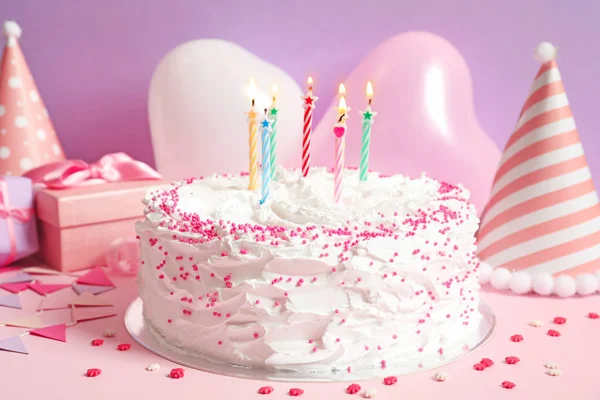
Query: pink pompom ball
<point x="485" y="272"/>
<point x="520" y="282"/>
<point x="500" y="278"/>
<point x="586" y="284"/>
<point x="564" y="286"/>
<point x="543" y="284"/>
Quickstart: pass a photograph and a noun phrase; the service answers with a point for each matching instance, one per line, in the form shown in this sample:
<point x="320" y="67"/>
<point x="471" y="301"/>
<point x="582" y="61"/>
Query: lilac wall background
<point x="93" y="60"/>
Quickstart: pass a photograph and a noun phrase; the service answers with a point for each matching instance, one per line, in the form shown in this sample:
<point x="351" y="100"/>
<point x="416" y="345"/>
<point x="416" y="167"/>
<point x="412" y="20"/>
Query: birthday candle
<point x="366" y="135"/>
<point x="339" y="130"/>
<point x="273" y="115"/>
<point x="266" y="157"/>
<point x="309" y="105"/>
<point x="252" y="140"/>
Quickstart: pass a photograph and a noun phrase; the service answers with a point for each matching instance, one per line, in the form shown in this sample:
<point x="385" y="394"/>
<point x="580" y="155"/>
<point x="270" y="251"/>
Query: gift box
<point x="78" y="225"/>
<point x="18" y="237"/>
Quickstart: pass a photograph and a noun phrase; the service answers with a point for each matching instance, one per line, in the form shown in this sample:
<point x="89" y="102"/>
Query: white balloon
<point x="197" y="100"/>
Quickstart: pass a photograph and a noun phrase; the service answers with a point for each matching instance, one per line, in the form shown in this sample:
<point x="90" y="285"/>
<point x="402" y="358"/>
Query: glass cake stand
<point x="140" y="332"/>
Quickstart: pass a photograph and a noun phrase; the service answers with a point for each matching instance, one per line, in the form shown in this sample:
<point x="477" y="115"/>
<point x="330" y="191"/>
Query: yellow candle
<point x="252" y="140"/>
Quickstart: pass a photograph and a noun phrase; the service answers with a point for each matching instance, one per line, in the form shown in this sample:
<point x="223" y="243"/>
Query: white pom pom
<point x="12" y="29"/>
<point x="500" y="278"/>
<point x="542" y="284"/>
<point x="586" y="284"/>
<point x="544" y="52"/>
<point x="520" y="282"/>
<point x="564" y="286"/>
<point x="485" y="272"/>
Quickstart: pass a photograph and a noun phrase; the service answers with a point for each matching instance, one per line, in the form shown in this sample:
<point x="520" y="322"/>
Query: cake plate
<point x="140" y="331"/>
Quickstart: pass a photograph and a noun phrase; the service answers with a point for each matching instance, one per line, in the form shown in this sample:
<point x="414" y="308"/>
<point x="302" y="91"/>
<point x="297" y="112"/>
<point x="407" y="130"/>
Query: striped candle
<point x="266" y="158"/>
<point x="339" y="131"/>
<point x="366" y="136"/>
<point x="252" y="141"/>
<point x="309" y="105"/>
<point x="273" y="115"/>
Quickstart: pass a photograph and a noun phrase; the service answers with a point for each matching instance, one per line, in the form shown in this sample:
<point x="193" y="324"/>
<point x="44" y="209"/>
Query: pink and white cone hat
<point x="27" y="137"/>
<point x="540" y="230"/>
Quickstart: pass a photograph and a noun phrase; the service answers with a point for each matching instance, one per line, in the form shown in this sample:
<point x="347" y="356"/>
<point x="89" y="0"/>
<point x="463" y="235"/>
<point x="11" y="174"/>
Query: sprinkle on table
<point x="508" y="385"/>
<point x="353" y="389"/>
<point x="551" y="365"/>
<point x="97" y="342"/>
<point x="560" y="320"/>
<point x="554" y="372"/>
<point x="176" y="373"/>
<point x="93" y="372"/>
<point x="536" y="323"/>
<point x="553" y="333"/>
<point x="295" y="392"/>
<point x="487" y="362"/>
<point x="266" y="390"/>
<point x="516" y="338"/>
<point x="109" y="333"/>
<point x="153" y="367"/>
<point x="123" y="347"/>
<point x="390" y="380"/>
<point x="593" y="315"/>
<point x="440" y="376"/>
<point x="479" y="367"/>
<point x="512" y="360"/>
<point x="370" y="393"/>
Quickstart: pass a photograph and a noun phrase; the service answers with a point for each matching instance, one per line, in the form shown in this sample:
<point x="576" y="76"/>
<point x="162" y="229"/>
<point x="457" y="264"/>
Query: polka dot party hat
<point x="540" y="230"/>
<point x="27" y="137"/>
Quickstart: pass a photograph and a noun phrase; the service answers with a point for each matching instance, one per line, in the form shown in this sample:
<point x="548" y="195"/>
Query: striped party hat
<point x="540" y="230"/>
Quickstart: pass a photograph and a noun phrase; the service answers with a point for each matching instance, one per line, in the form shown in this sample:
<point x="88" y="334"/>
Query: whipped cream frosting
<point x="303" y="283"/>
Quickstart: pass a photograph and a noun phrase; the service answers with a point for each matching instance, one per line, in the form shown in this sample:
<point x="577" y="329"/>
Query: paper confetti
<point x="18" y="278"/>
<point x="32" y="321"/>
<point x="42" y="288"/>
<point x="12" y="301"/>
<point x="15" y="287"/>
<point x="13" y="344"/>
<point x="87" y="299"/>
<point x="55" y="332"/>
<point x="96" y="277"/>
<point x="93" y="289"/>
<point x="41" y="271"/>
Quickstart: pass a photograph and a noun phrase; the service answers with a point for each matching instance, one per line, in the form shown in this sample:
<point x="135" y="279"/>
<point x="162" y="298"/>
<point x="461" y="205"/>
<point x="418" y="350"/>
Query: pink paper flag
<point x="96" y="277"/>
<point x="40" y="271"/>
<point x="56" y="332"/>
<point x="12" y="301"/>
<point x="42" y="288"/>
<point x="20" y="277"/>
<point x="13" y="344"/>
<point x="91" y="288"/>
<point x="33" y="322"/>
<point x="15" y="287"/>
<point x="87" y="299"/>
<point x="58" y="300"/>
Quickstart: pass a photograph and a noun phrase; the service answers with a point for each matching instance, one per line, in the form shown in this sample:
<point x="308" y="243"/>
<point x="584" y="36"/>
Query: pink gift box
<point x="78" y="225"/>
<point x="18" y="237"/>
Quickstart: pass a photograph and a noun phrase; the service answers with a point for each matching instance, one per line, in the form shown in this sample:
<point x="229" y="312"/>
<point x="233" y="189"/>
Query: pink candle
<point x="339" y="130"/>
<point x="309" y="105"/>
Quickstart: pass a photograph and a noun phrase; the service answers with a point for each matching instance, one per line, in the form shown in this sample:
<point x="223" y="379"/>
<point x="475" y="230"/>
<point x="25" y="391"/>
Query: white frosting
<point x="304" y="283"/>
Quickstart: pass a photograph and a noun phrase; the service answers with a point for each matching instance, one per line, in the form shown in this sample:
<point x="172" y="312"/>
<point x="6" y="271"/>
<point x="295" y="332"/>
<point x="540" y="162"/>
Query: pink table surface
<point x="55" y="370"/>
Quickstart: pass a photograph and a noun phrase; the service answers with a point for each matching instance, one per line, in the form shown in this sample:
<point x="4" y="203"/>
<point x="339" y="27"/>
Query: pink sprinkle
<point x="265" y="390"/>
<point x="255" y="335"/>
<point x="314" y="349"/>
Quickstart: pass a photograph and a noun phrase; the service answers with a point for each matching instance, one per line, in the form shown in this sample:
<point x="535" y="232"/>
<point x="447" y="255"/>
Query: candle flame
<point x="274" y="89"/>
<point x="342" y="105"/>
<point x="342" y="90"/>
<point x="310" y="81"/>
<point x="369" y="91"/>
<point x="252" y="89"/>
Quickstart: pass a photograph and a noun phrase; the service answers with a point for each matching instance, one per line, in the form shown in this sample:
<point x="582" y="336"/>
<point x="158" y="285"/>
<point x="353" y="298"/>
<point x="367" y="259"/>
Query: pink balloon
<point x="426" y="121"/>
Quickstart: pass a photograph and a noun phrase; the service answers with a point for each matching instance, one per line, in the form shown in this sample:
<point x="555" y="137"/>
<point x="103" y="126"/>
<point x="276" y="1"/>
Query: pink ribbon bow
<point x="116" y="167"/>
<point x="9" y="213"/>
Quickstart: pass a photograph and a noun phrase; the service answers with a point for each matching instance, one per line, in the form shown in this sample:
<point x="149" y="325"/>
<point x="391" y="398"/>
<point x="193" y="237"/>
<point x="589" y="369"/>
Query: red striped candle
<point x="309" y="105"/>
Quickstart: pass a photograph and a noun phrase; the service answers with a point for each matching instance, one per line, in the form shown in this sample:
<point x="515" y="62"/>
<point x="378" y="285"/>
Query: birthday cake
<point x="304" y="283"/>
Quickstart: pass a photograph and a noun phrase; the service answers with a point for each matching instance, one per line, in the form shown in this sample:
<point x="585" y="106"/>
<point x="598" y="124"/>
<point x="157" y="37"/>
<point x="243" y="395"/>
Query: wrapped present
<point x="18" y="237"/>
<point x="83" y="208"/>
